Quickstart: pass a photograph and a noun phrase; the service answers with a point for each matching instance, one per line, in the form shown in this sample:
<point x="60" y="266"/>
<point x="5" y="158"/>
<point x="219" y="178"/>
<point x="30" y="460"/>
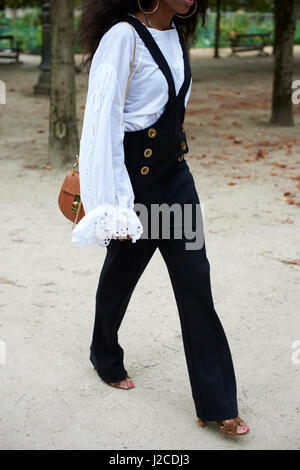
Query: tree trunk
<point x="43" y="85"/>
<point x="63" y="136"/>
<point x="217" y="33"/>
<point x="285" y="25"/>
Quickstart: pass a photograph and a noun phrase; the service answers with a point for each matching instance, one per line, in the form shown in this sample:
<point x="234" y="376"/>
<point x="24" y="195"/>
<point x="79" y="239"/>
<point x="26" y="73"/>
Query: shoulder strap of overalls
<point x="155" y="51"/>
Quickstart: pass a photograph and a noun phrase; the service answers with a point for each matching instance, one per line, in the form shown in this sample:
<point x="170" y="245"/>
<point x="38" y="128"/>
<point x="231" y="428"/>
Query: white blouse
<point x="105" y="187"/>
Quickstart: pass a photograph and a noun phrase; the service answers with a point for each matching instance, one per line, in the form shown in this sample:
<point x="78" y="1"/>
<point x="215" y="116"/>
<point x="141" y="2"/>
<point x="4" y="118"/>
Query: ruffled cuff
<point x="105" y="222"/>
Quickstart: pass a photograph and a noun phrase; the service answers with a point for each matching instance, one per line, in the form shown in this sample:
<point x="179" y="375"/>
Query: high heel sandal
<point x="229" y="428"/>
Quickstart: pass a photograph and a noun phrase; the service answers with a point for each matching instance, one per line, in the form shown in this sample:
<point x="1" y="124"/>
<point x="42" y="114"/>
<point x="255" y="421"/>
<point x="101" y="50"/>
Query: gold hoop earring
<point x="148" y="12"/>
<point x="188" y="16"/>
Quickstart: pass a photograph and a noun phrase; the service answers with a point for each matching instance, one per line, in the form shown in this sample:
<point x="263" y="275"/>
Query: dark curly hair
<point x="99" y="15"/>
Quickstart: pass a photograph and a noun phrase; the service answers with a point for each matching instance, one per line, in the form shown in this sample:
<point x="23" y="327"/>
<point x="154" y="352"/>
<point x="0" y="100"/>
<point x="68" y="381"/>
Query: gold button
<point x="152" y="133"/>
<point x="145" y="170"/>
<point x="183" y="145"/>
<point x="183" y="128"/>
<point x="148" y="153"/>
<point x="181" y="158"/>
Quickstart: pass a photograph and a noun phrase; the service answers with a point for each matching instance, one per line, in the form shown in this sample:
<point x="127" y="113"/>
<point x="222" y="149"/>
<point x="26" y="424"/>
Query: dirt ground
<point x="248" y="178"/>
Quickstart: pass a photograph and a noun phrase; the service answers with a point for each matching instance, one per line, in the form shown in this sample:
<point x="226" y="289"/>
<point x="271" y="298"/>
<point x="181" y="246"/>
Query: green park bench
<point x="9" y="48"/>
<point x="249" y="42"/>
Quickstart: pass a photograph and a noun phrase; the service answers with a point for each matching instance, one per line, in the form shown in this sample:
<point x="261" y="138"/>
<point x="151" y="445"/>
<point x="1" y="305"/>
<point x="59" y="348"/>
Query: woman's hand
<point x="122" y="239"/>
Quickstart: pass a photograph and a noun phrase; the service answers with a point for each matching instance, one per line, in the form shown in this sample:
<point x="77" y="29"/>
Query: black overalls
<point x="159" y="174"/>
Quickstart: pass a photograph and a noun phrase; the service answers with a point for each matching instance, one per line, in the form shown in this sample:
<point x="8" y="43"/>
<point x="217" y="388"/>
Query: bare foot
<point x="241" y="428"/>
<point x="125" y="384"/>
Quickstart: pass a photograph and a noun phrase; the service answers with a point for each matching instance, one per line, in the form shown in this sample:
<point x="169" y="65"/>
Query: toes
<point x="127" y="383"/>
<point x="242" y="429"/>
<point x="124" y="385"/>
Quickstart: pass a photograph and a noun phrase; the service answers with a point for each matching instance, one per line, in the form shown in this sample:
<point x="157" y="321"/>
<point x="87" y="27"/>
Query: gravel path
<point x="248" y="178"/>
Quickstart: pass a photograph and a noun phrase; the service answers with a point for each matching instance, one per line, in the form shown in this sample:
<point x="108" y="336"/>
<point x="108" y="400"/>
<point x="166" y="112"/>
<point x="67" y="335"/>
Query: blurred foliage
<point x="27" y="3"/>
<point x="240" y="22"/>
<point x="28" y="29"/>
<point x="254" y="5"/>
<point x="21" y="3"/>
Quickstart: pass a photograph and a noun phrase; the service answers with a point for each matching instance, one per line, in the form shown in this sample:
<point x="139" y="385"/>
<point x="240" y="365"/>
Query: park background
<point x="26" y="25"/>
<point x="247" y="173"/>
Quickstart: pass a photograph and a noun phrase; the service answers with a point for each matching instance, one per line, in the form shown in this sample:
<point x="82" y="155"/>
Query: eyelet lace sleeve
<point x="105" y="187"/>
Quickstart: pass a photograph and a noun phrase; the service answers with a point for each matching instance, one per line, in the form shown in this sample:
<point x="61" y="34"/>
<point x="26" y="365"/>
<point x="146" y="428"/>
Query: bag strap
<point x="131" y="65"/>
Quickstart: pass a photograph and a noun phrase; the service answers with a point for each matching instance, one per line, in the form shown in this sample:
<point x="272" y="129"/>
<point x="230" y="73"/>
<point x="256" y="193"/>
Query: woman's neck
<point x="160" y="19"/>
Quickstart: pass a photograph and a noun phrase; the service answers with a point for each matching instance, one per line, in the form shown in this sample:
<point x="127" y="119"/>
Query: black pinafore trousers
<point x="154" y="154"/>
<point x="160" y="174"/>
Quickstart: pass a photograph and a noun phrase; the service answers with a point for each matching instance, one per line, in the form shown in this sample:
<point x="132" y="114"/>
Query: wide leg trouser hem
<point x="228" y="413"/>
<point x="116" y="378"/>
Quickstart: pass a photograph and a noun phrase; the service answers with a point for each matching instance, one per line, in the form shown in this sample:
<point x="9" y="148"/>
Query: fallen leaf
<point x="229" y="136"/>
<point x="295" y="178"/>
<point x="279" y="165"/>
<point x="220" y="157"/>
<point x="241" y="177"/>
<point x="296" y="262"/>
<point x="261" y="153"/>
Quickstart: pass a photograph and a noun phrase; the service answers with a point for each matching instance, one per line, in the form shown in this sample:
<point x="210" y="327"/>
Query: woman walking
<point x="132" y="153"/>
